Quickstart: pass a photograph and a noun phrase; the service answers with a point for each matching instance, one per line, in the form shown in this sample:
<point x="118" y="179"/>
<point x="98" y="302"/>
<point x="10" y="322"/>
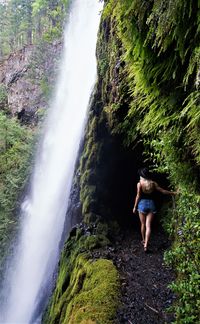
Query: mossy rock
<point x="87" y="290"/>
<point x="96" y="241"/>
<point x="102" y="228"/>
<point x="90" y="218"/>
<point x="90" y="296"/>
<point x="98" y="296"/>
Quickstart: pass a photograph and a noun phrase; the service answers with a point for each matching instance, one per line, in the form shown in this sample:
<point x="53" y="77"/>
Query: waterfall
<point x="44" y="209"/>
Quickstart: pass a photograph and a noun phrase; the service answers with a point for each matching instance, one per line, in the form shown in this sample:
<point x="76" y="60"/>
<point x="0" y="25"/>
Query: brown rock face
<point x="22" y="84"/>
<point x="22" y="94"/>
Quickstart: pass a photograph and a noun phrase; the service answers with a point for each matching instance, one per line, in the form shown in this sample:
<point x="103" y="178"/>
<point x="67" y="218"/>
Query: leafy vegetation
<point x="157" y="56"/>
<point x="183" y="226"/>
<point x="16" y="144"/>
<point x="3" y="97"/>
<point x="25" y="22"/>
<point x="43" y="68"/>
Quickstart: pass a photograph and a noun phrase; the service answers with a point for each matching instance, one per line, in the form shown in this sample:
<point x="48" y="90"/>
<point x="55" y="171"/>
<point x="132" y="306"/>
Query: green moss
<point x="102" y="228"/>
<point x="91" y="218"/>
<point x="96" y="241"/>
<point x="86" y="290"/>
<point x="98" y="297"/>
<point x="88" y="204"/>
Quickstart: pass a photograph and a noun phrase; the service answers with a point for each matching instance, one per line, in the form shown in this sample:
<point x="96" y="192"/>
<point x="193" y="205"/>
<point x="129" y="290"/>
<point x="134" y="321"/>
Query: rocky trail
<point x="145" y="295"/>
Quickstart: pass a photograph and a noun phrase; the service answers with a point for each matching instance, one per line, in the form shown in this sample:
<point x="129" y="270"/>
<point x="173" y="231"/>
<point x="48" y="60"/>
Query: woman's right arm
<point x="137" y="197"/>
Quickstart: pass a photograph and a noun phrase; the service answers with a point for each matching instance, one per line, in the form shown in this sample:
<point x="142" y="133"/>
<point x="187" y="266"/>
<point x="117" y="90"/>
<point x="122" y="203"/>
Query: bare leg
<point x="149" y="219"/>
<point x="143" y="222"/>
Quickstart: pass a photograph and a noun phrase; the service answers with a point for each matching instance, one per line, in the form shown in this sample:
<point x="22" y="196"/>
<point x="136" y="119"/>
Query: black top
<point x="145" y="195"/>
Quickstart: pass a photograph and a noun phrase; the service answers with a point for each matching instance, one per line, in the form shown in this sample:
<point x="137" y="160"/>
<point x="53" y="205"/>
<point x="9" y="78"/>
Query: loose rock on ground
<point x="145" y="295"/>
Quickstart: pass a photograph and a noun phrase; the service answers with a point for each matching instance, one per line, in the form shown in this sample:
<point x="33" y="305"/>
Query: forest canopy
<point x="25" y="22"/>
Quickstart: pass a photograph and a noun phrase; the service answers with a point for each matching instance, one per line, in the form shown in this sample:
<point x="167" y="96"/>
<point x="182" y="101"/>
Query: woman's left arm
<point x="164" y="191"/>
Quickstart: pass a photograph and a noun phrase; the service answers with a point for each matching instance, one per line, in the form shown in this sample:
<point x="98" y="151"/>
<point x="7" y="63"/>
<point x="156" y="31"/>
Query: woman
<point x="144" y="202"/>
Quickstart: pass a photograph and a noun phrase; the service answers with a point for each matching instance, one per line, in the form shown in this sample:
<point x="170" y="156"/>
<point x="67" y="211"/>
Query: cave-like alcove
<point x="119" y="172"/>
<point x="118" y="181"/>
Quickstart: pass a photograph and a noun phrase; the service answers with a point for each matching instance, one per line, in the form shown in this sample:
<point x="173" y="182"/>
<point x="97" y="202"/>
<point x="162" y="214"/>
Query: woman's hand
<point x="134" y="210"/>
<point x="174" y="193"/>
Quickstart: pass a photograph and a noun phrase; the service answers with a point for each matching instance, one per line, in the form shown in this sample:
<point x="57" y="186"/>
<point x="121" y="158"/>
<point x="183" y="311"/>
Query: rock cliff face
<point x="146" y="98"/>
<point x="22" y="94"/>
<point x="22" y="74"/>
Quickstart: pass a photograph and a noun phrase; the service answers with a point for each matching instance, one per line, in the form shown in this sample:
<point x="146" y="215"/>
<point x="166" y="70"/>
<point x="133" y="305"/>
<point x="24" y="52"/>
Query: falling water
<point x="44" y="209"/>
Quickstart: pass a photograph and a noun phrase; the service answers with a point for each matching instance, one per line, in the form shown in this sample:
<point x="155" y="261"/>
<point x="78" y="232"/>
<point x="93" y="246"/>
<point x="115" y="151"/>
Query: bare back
<point x="147" y="186"/>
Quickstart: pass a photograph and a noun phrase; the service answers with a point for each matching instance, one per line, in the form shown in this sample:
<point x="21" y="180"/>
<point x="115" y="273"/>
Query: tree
<point x="23" y="22"/>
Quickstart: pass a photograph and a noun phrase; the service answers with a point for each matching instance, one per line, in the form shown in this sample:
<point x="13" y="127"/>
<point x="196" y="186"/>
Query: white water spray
<point x="45" y="208"/>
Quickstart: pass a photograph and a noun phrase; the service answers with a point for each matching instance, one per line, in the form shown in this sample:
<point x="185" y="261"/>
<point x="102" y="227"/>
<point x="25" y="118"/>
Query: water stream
<point x="44" y="209"/>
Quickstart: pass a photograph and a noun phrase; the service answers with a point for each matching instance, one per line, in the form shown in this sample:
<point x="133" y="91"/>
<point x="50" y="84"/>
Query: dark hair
<point x="144" y="172"/>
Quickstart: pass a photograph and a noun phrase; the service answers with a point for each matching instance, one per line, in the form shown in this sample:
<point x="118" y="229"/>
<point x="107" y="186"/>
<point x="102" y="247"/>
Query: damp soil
<point x="144" y="277"/>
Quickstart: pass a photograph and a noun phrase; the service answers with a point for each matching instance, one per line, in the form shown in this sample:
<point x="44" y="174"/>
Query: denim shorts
<point x="146" y="206"/>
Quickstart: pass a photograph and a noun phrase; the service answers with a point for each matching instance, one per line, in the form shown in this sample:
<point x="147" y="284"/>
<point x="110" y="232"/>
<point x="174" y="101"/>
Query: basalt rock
<point x="25" y="93"/>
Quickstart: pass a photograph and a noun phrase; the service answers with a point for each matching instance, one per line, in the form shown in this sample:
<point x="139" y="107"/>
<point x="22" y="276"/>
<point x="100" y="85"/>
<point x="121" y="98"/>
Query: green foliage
<point x="158" y="47"/>
<point x="49" y="17"/>
<point x="182" y="225"/>
<point x="87" y="290"/>
<point x="87" y="169"/>
<point x="43" y="67"/>
<point x="16" y="18"/>
<point x="158" y="76"/>
<point x="185" y="257"/>
<point x="26" y="22"/>
<point x="3" y="96"/>
<point x="44" y="86"/>
<point x="15" y="147"/>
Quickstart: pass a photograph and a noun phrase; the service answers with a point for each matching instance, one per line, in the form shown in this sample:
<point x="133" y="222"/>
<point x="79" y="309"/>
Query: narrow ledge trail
<point x="144" y="277"/>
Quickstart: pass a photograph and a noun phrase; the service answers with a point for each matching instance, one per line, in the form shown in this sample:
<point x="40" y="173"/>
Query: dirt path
<point x="144" y="278"/>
